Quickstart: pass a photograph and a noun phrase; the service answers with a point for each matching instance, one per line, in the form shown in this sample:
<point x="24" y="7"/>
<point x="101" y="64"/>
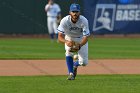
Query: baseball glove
<point x="58" y="18"/>
<point x="75" y="47"/>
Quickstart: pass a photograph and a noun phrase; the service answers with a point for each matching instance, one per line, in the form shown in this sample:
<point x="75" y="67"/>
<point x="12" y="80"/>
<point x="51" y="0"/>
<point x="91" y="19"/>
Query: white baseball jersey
<point x="74" y="30"/>
<point x="53" y="10"/>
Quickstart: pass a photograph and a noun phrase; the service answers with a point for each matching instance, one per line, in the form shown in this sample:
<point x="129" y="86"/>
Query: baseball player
<point x="73" y="31"/>
<point x="53" y="15"/>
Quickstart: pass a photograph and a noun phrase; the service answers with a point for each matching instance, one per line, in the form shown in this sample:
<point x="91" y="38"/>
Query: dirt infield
<point x="58" y="67"/>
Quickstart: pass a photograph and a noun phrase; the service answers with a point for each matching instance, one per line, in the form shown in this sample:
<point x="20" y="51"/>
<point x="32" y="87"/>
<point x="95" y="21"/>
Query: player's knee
<point x="83" y="62"/>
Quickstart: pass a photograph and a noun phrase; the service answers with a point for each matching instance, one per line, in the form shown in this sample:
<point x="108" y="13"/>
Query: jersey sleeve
<point x="58" y="8"/>
<point x="86" y="31"/>
<point x="61" y="27"/>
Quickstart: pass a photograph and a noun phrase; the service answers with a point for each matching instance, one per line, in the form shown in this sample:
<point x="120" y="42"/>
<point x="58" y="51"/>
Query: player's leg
<point x="69" y="62"/>
<point x="82" y="58"/>
<point x="50" y="27"/>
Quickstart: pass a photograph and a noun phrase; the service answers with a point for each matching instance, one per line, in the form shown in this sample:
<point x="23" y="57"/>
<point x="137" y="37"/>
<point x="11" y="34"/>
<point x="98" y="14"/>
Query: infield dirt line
<point x="58" y="67"/>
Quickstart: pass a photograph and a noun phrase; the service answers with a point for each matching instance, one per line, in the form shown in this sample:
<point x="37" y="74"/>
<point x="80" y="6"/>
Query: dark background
<point x="27" y="16"/>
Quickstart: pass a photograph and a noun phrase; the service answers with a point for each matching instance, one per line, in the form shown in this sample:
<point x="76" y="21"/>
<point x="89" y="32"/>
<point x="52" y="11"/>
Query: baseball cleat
<point x="71" y="77"/>
<point x="74" y="71"/>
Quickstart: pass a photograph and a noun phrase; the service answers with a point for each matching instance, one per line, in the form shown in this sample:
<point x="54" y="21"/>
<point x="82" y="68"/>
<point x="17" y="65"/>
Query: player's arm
<point x="61" y="38"/>
<point x="61" y="34"/>
<point x="86" y="33"/>
<point x="47" y="7"/>
<point x="84" y="41"/>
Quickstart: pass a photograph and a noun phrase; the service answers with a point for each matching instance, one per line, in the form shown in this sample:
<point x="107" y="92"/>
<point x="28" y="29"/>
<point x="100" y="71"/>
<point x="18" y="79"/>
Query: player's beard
<point x="74" y="18"/>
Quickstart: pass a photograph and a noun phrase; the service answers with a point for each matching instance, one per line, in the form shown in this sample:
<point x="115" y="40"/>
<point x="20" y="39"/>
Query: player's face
<point x="51" y="2"/>
<point x="74" y="16"/>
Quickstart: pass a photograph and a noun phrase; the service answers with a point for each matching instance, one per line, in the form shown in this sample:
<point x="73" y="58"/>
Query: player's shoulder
<point x="83" y="18"/>
<point x="66" y="18"/>
<point x="55" y="4"/>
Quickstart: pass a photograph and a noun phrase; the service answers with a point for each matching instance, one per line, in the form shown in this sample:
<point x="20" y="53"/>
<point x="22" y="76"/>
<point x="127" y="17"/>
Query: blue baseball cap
<point x="74" y="7"/>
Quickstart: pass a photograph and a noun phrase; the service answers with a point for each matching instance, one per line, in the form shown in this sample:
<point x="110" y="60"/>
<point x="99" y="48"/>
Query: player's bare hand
<point x="50" y="2"/>
<point x="74" y="46"/>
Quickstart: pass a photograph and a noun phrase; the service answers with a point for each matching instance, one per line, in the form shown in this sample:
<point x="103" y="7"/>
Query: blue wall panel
<point x="113" y="16"/>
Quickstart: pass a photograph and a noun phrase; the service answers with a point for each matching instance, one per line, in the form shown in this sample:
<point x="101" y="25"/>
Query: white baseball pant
<point x="52" y="25"/>
<point x="82" y="53"/>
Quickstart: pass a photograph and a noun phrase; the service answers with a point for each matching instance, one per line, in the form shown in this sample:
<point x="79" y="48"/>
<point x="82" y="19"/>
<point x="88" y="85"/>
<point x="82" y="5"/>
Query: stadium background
<point x="29" y="17"/>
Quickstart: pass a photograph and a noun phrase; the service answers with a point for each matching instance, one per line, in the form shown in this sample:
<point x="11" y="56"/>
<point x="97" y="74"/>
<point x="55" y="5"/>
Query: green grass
<point x="59" y="84"/>
<point x="119" y="48"/>
<point x="99" y="48"/>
